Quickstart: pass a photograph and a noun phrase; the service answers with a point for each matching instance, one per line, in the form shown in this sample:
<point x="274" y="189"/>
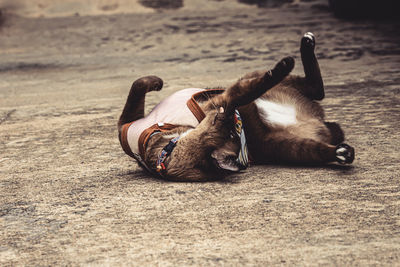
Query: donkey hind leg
<point x="134" y="107"/>
<point x="307" y="151"/>
<point x="315" y="85"/>
<point x="245" y="91"/>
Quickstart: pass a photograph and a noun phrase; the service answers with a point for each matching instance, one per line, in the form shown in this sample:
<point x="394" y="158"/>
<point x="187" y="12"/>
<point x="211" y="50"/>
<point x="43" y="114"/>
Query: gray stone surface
<point x="70" y="196"/>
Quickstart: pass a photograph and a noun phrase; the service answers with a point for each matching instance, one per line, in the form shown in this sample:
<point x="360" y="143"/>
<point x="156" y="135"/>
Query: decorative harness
<point x="194" y="106"/>
<point x="143" y="140"/>
<point x="167" y="150"/>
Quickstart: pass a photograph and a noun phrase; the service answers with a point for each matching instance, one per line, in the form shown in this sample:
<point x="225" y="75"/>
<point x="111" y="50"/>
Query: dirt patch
<point x="63" y="8"/>
<point x="266" y="3"/>
<point x="27" y="67"/>
<point x="160" y="4"/>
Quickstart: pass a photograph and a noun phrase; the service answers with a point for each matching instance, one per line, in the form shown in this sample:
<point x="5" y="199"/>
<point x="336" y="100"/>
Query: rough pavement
<point x="70" y="196"/>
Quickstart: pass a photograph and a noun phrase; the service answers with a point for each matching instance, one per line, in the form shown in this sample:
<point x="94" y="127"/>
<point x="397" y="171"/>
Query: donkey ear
<point x="225" y="161"/>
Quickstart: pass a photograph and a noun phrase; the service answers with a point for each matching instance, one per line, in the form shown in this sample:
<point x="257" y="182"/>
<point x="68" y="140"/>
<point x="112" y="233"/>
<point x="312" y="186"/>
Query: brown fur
<point x="199" y="153"/>
<point x="308" y="141"/>
<point x="311" y="140"/>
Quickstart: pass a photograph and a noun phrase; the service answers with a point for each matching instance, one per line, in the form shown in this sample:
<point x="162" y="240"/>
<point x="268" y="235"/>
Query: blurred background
<point x="48" y="8"/>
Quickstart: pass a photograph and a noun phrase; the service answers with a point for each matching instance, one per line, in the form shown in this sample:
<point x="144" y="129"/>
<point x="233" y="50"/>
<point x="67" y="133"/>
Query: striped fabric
<point x="243" y="158"/>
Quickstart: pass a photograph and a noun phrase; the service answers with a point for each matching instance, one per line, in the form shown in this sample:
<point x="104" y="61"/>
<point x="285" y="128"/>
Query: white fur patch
<point x="170" y="136"/>
<point x="276" y="113"/>
<point x="342" y="158"/>
<point x="309" y="35"/>
<point x="185" y="133"/>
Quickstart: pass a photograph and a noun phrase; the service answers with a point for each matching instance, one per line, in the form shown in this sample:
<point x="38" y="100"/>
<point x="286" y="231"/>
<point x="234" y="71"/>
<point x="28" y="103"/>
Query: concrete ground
<point x="70" y="196"/>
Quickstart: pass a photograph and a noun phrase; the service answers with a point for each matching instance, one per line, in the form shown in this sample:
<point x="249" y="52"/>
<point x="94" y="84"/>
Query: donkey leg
<point x="314" y="88"/>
